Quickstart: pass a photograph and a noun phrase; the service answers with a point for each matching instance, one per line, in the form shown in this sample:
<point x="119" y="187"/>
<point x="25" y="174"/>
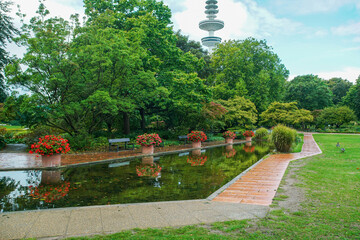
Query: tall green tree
<point x="7" y="31"/>
<point x="352" y="98"/>
<point x="309" y="91"/>
<point x="248" y="68"/>
<point x="339" y="87"/>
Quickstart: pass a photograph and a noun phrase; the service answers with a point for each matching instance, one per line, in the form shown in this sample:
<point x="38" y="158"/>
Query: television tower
<point x="211" y="25"/>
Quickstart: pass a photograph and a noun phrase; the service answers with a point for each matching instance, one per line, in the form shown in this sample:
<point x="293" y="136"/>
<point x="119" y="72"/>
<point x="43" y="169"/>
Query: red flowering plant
<point x="196" y="160"/>
<point x="145" y="170"/>
<point x="197" y="136"/>
<point x="248" y="133"/>
<point x="50" y="145"/>
<point x="148" y="140"/>
<point x="229" y="134"/>
<point x="49" y="193"/>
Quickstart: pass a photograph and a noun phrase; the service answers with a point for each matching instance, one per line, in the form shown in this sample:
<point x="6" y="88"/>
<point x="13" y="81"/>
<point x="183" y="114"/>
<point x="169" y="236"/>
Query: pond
<point x="183" y="176"/>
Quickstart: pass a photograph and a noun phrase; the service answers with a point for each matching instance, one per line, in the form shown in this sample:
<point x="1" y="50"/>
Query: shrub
<point x="283" y="137"/>
<point x="261" y="133"/>
<point x="2" y="142"/>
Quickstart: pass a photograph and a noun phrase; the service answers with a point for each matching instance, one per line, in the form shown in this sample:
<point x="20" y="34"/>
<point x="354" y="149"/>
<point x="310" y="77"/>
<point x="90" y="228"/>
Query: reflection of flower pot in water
<point x="196" y="144"/>
<point x="196" y="152"/>
<point x="51" y="161"/>
<point x="249" y="149"/>
<point x="248" y="144"/>
<point x="147" y="160"/>
<point x="147" y="149"/>
<point x="229" y="140"/>
<point x="50" y="177"/>
<point x="229" y="147"/>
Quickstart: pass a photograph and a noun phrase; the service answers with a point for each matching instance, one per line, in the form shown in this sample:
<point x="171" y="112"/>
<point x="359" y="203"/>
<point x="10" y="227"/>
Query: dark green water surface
<point x="166" y="178"/>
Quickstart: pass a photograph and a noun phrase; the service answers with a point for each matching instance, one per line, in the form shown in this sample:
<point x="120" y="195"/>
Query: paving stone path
<point x="247" y="198"/>
<point x="258" y="186"/>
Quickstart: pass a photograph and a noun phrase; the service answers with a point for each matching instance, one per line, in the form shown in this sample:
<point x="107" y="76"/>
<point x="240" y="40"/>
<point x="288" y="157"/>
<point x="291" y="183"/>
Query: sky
<point x="320" y="37"/>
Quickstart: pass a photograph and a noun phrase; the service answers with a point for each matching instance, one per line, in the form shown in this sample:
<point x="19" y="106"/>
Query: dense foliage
<point x="248" y="68"/>
<point x="7" y="31"/>
<point x="352" y="99"/>
<point x="336" y="116"/>
<point x="309" y="91"/>
<point x="124" y="72"/>
<point x="285" y="113"/>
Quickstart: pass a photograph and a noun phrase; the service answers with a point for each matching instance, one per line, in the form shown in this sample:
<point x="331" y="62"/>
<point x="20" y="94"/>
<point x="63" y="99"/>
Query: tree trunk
<point x="109" y="128"/>
<point x="142" y="123"/>
<point x="126" y="123"/>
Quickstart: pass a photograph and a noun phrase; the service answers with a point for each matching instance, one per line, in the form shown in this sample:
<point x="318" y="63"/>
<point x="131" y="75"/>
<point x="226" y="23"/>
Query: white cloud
<point x="349" y="73"/>
<point x="311" y="6"/>
<point x="349" y="29"/>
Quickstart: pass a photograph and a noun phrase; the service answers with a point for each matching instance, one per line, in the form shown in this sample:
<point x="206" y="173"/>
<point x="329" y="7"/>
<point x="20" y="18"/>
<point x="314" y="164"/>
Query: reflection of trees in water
<point x="7" y="185"/>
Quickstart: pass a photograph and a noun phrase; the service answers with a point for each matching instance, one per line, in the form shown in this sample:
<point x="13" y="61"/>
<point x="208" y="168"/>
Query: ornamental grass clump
<point x="50" y="145"/>
<point x="283" y="137"/>
<point x="148" y="140"/>
<point x="229" y="134"/>
<point x="197" y="136"/>
<point x="261" y="134"/>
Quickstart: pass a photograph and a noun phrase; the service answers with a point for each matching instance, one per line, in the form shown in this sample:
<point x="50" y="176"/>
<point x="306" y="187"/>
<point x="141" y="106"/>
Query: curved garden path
<point x="259" y="185"/>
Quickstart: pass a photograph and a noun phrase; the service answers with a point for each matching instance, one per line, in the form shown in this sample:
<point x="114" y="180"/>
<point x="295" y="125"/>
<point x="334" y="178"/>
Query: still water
<point x="184" y="176"/>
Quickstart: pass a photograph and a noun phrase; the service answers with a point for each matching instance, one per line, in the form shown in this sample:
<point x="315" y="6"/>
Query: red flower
<point x="50" y="145"/>
<point x="229" y="134"/>
<point x="148" y="139"/>
<point x="197" y="136"/>
<point x="248" y="133"/>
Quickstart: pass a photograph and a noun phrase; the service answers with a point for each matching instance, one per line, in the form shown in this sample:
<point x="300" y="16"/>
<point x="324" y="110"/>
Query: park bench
<point x="183" y="138"/>
<point x="118" y="141"/>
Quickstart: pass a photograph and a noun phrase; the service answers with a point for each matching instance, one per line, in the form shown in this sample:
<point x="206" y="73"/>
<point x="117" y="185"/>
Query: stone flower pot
<point x="51" y="161"/>
<point x="147" y="149"/>
<point x="196" y="144"/>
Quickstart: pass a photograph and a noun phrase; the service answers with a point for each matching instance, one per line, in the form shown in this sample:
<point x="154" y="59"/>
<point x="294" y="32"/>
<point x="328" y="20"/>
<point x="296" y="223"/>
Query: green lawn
<point x="13" y="128"/>
<point x="298" y="146"/>
<point x="331" y="210"/>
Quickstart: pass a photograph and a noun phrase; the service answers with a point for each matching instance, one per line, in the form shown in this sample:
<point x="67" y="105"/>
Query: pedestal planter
<point x="229" y="140"/>
<point x="51" y="161"/>
<point x="248" y="138"/>
<point x="196" y="144"/>
<point x="147" y="149"/>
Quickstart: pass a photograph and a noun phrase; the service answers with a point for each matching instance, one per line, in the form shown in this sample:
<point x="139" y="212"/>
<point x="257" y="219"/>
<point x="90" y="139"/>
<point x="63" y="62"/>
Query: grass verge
<point x="331" y="209"/>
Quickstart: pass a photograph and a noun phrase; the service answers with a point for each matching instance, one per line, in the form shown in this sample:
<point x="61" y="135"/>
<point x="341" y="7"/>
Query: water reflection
<point x="196" y="159"/>
<point x="148" y="168"/>
<point x="172" y="177"/>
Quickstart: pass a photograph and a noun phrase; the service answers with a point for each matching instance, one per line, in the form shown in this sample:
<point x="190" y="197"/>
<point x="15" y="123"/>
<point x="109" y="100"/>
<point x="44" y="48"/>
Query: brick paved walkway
<point x="259" y="185"/>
